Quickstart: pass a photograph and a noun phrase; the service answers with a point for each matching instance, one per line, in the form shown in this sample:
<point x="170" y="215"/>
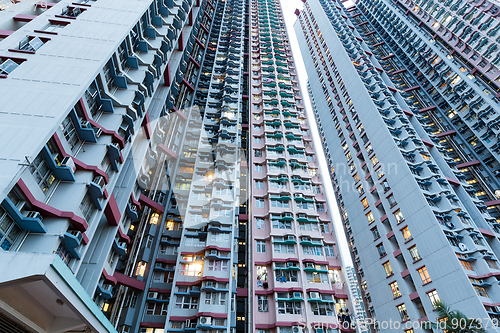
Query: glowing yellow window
<point x="406" y="233"/>
<point x="141" y="268"/>
<point x="154" y="218"/>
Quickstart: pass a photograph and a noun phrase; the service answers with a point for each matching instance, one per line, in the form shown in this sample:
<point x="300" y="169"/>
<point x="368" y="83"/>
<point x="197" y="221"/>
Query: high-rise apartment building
<point x="406" y="97"/>
<point x="297" y="275"/>
<point x="124" y="127"/>
<point x="357" y="298"/>
<point x="125" y="181"/>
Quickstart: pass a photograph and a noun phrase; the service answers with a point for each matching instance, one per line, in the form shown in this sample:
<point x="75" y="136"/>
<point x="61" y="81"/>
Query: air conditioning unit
<point x="214" y="252"/>
<point x="291" y="237"/>
<point x="209" y="283"/>
<point x="297" y="329"/>
<point x="199" y="258"/>
<point x="314" y="295"/>
<point x="152" y="294"/>
<point x="309" y="264"/>
<point x="497" y="309"/>
<point x="68" y="162"/>
<point x="289" y="264"/>
<point x="297" y="294"/>
<point x="187" y="323"/>
<point x="206" y="320"/>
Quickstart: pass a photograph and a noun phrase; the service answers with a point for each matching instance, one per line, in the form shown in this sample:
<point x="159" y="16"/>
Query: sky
<point x="289" y="7"/>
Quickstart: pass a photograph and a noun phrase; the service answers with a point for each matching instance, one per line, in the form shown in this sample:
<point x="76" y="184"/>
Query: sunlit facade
<point x="406" y="101"/>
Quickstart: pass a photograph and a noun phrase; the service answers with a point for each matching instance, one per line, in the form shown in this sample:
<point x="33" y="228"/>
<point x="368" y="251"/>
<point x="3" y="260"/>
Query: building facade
<point x="357" y="299"/>
<point x="123" y="171"/>
<point x="407" y="103"/>
<point x="125" y="185"/>
<point x="297" y="274"/>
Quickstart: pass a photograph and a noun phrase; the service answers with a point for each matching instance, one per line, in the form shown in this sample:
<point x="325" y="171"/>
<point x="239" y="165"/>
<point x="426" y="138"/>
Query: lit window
<point x="380" y="173"/>
<point x="365" y="203"/>
<point x="424" y="275"/>
<point x="395" y="289"/>
<point x="402" y="312"/>
<point x="406" y="233"/>
<point x="141" y="268"/>
<point x="370" y="217"/>
<point x="388" y="269"/>
<point x="154" y="218"/>
<point x="399" y="216"/>
<point x="374" y="159"/>
<point x="433" y="297"/>
<point x="414" y="253"/>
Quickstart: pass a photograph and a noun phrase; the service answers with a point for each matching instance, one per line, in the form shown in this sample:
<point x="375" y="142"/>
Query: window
<point x="156" y="309"/>
<point x="215" y="298"/>
<point x="381" y="250"/>
<point x="322" y="309"/>
<point x="370" y="217"/>
<point x="259" y="184"/>
<point x="320" y="207"/>
<point x="260" y="223"/>
<point x="43" y="175"/>
<point x="141" y="268"/>
<point x="466" y="265"/>
<point x="388" y="269"/>
<point x="406" y="233"/>
<point x="399" y="216"/>
<point x="433" y="297"/>
<point x="329" y="252"/>
<point x="481" y="291"/>
<point x="257" y="139"/>
<point x="395" y="289"/>
<point x="324" y="227"/>
<point x="257" y="128"/>
<point x="261" y="247"/>
<point x="360" y="189"/>
<point x="262" y="303"/>
<point x="375" y="233"/>
<point x="284" y="248"/>
<point x="492" y="263"/>
<point x="69" y="133"/>
<point x="149" y="241"/>
<point x="258" y="168"/>
<point x="374" y="160"/>
<point x="186" y="302"/>
<point x="402" y="312"/>
<point x="9" y="230"/>
<point x="280" y="204"/>
<point x="365" y="203"/>
<point x="380" y="173"/>
<point x="257" y="153"/>
<point x="385" y="185"/>
<point x="191" y="269"/>
<point x="414" y="253"/>
<point x="64" y="254"/>
<point x="392" y="200"/>
<point x="217" y="265"/>
<point x="259" y="203"/>
<point x="424" y="275"/>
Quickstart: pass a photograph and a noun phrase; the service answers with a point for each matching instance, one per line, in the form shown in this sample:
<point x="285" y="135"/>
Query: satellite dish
<point x="463" y="247"/>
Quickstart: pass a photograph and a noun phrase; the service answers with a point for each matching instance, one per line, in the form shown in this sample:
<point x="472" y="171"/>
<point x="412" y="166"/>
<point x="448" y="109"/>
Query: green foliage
<point x="453" y="321"/>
